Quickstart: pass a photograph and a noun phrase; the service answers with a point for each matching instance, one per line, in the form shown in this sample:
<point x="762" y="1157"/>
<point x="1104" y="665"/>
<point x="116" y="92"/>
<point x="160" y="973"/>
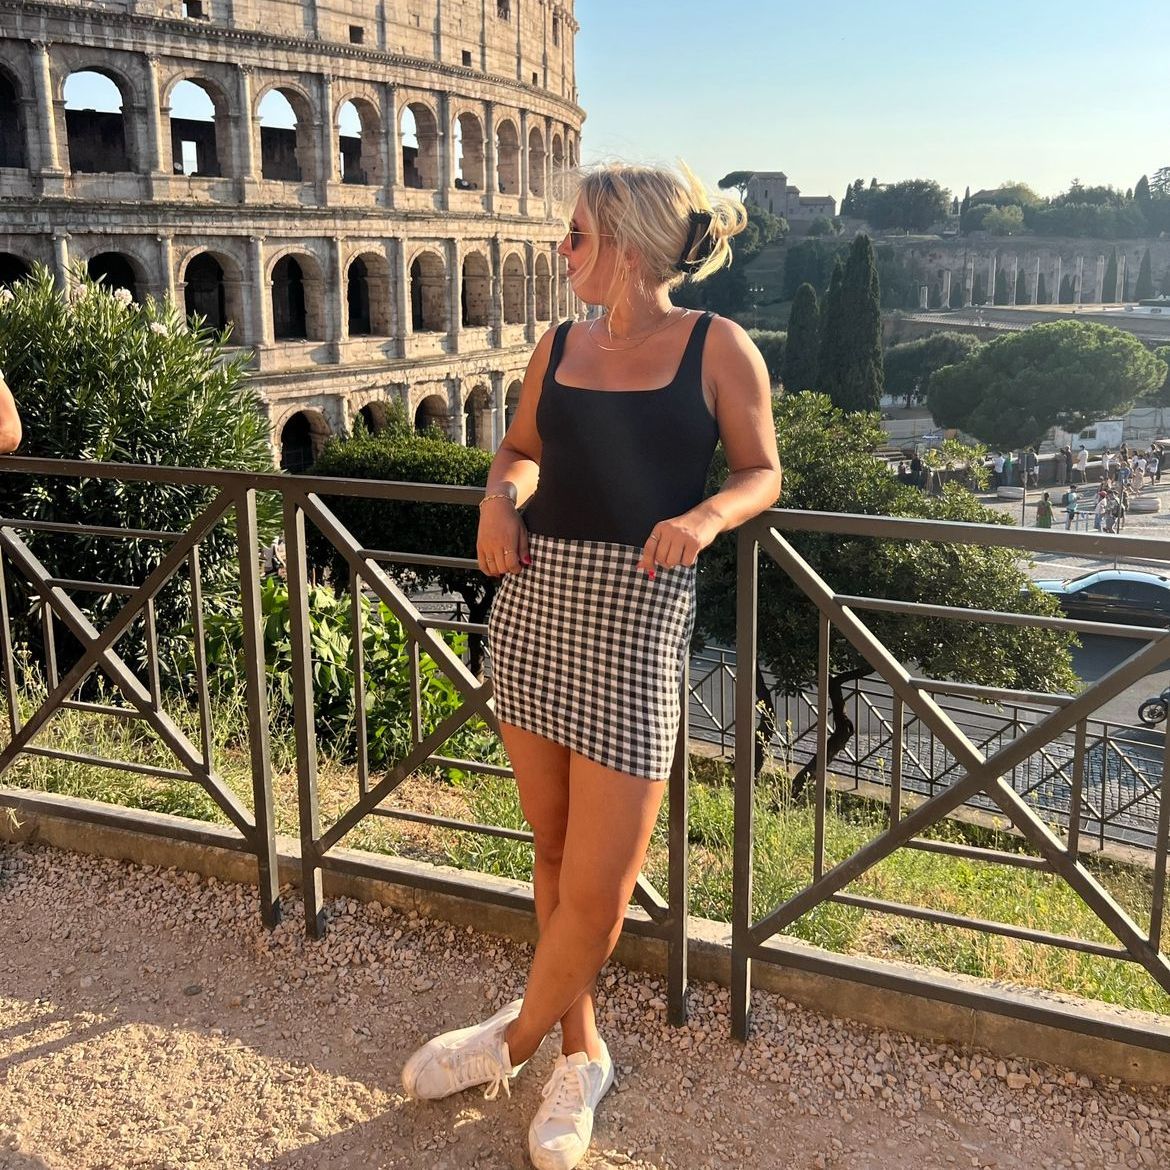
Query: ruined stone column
<point x="400" y="293"/>
<point x="497" y="318"/>
<point x="924" y="297"/>
<point x="946" y="288"/>
<point x="328" y="146"/>
<point x="1078" y="291"/>
<point x="446" y="149"/>
<point x="1056" y="280"/>
<point x="991" y="269"/>
<point x="968" y="281"/>
<point x="1099" y="297"/>
<point x="1120" y="292"/>
<point x="530" y="292"/>
<point x="261" y="294"/>
<point x="1014" y="280"/>
<point x="524" y="162"/>
<point x="1036" y="282"/>
<point x="490" y="179"/>
<point x="61" y="258"/>
<point x="166" y="260"/>
<point x="391" y="141"/>
<point x="336" y="300"/>
<point x="548" y="169"/>
<point x="50" y="155"/>
<point x="245" y="126"/>
<point x="153" y="115"/>
<point x="455" y="296"/>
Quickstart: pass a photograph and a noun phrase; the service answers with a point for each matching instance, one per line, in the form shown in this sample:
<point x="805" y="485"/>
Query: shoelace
<point x="486" y="1068"/>
<point x="566" y="1087"/>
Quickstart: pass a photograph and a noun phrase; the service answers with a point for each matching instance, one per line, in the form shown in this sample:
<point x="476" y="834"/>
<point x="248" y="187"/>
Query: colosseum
<point x="364" y="192"/>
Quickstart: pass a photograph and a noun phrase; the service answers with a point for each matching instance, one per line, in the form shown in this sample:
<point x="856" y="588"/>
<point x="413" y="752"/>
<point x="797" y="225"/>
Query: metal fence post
<point x="679" y="879"/>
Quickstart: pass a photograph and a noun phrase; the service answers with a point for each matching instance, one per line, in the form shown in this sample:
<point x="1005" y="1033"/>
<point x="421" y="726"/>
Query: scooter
<point x="1153" y="711"/>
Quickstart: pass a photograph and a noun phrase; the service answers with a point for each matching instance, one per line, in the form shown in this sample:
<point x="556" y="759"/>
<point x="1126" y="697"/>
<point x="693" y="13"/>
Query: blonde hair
<point x="663" y="216"/>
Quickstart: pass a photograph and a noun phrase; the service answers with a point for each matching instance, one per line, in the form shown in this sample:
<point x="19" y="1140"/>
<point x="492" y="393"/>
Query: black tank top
<point x="616" y="462"/>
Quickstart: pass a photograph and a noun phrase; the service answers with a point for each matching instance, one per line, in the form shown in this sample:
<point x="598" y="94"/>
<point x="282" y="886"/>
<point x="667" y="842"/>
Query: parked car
<point x="1127" y="597"/>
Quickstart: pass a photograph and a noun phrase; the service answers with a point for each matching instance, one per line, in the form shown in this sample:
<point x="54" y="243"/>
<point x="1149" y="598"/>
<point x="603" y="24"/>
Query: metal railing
<point x="961" y="770"/>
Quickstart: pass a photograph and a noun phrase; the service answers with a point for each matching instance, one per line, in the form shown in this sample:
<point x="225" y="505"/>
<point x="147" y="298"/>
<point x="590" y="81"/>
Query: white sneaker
<point x="562" y="1129"/>
<point x="457" y="1060"/>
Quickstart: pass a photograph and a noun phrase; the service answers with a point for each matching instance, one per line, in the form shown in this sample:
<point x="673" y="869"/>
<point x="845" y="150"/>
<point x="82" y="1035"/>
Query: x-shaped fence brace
<point x="983" y="775"/>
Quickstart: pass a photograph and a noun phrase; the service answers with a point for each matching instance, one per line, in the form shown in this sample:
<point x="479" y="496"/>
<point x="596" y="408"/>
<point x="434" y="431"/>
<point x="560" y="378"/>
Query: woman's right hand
<point x="502" y="542"/>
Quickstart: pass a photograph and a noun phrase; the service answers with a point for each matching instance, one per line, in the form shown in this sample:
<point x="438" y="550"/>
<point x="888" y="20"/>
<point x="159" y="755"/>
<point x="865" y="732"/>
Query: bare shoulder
<point x="732" y="358"/>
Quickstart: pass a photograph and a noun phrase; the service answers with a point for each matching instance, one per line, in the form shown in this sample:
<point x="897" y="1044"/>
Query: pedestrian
<point x="1044" y="512"/>
<point x="1099" y="507"/>
<point x="996" y="470"/>
<point x="1123" y="498"/>
<point x="1124" y="451"/>
<point x="1153" y="466"/>
<point x="1111" y="510"/>
<point x="916" y="471"/>
<point x="1082" y="465"/>
<point x="1070" y="506"/>
<point x="11" y="431"/>
<point x="1007" y="469"/>
<point x="1138" y="479"/>
<point x="1067" y="463"/>
<point x="590" y="626"/>
<point x="1031" y="468"/>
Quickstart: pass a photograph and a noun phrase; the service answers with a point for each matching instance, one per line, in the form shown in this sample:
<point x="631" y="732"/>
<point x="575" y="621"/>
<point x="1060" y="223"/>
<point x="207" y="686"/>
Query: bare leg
<point x="611" y="817"/>
<point x="542" y="776"/>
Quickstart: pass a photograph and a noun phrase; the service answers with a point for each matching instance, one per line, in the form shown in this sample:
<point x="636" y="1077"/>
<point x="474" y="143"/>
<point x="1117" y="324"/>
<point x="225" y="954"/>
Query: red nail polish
<point x="526" y="559"/>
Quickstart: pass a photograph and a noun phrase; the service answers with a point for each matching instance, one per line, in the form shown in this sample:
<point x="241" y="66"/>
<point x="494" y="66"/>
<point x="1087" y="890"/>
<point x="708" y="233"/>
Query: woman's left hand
<point x="677" y="542"/>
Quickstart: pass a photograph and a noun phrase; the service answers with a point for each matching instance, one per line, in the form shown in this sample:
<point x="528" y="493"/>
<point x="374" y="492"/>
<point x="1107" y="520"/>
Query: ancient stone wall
<point x="395" y="242"/>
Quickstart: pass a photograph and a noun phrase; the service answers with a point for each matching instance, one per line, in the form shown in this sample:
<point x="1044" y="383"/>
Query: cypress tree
<point x="802" y="349"/>
<point x="851" y="340"/>
<point x="978" y="290"/>
<point x="1067" y="290"/>
<point x="1109" y="288"/>
<point x="956" y="294"/>
<point x="1001" y="287"/>
<point x="1141" y="192"/>
<point x="832" y="325"/>
<point x="1145" y="280"/>
<point x="1021" y="288"/>
<point x="1042" y="290"/>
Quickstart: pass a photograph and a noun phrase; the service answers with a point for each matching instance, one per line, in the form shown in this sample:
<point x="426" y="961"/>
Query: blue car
<point x="1125" y="597"/>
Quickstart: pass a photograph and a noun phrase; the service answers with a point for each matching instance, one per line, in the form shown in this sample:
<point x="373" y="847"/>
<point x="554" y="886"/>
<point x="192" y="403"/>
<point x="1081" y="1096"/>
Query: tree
<point x="1141" y="192"/>
<point x="1109" y="284"/>
<point x="822" y="226"/>
<point x="1062" y="373"/>
<point x="829" y="465"/>
<point x="850" y="368"/>
<point x="978" y="290"/>
<point x="102" y="379"/>
<point x="738" y="180"/>
<point x="912" y="204"/>
<point x="1041" y="290"/>
<point x="772" y="344"/>
<point x="1004" y="221"/>
<point x="909" y="365"/>
<point x="1021" y="288"/>
<point x="965" y="206"/>
<point x="1068" y="291"/>
<point x="804" y="339"/>
<point x="1161" y="396"/>
<point x="1144" y="289"/>
<point x="1001" y="287"/>
<point x="810" y="262"/>
<point x="956" y="294"/>
<point x="1160" y="182"/>
<point x="445" y="530"/>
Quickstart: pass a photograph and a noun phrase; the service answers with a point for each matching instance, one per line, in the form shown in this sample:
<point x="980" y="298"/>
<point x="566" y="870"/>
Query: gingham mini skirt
<point x="588" y="652"/>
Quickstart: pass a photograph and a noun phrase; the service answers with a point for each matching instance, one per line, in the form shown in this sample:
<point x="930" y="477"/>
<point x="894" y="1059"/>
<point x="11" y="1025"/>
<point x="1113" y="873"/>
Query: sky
<point x="1038" y="91"/>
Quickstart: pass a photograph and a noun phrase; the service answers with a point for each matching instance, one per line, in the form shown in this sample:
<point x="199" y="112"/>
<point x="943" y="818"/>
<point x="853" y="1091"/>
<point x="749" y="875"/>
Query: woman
<point x="1044" y="512"/>
<point x="610" y="447"/>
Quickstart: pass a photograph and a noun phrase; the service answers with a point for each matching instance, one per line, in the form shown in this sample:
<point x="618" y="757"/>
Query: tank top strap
<point x="558" y="348"/>
<point x="690" y="369"/>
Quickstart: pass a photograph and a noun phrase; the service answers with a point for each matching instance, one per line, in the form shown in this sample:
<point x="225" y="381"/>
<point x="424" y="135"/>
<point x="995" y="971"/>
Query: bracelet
<point x="498" y="496"/>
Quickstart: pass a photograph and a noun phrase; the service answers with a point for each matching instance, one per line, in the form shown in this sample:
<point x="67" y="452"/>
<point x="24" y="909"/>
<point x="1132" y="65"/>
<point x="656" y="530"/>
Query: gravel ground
<point x="146" y="1020"/>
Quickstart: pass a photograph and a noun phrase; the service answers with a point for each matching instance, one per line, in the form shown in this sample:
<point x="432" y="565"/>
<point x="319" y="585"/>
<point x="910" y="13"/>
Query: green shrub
<point x="387" y="692"/>
<point x="99" y="378"/>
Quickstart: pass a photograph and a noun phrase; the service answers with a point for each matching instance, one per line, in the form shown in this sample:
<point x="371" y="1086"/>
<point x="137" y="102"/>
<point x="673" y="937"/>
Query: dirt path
<point x="146" y="1021"/>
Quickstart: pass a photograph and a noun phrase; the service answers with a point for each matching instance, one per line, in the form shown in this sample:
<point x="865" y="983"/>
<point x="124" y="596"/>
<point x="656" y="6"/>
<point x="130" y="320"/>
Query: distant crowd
<point x="1124" y="475"/>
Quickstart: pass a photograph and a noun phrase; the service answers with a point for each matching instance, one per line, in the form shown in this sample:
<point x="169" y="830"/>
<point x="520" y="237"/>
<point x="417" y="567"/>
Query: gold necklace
<point x="669" y="319"/>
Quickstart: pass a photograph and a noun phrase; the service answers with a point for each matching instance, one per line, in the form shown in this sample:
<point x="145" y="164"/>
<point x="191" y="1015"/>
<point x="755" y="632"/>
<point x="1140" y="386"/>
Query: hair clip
<point x="699" y="234"/>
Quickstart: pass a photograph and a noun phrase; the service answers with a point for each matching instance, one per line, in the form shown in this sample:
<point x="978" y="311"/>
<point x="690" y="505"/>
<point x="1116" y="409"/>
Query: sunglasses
<point x="577" y="236"/>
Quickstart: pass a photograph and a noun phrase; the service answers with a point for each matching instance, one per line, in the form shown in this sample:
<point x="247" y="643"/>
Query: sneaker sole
<point x="422" y="1056"/>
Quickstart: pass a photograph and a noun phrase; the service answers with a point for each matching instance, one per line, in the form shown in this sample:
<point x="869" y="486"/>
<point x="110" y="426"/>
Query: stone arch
<point x="420" y="159"/>
<point x="115" y="270"/>
<point x="543" y="288"/>
<point x="12" y="130"/>
<point x="287" y="151"/>
<point x="213" y="289"/>
<point x="298" y="298"/>
<point x="507" y="158"/>
<point x="359" y="137"/>
<point x="370" y="418"/>
<point x="367" y="295"/>
<point x="428" y="293"/>
<point x="512" y="402"/>
<point x="199" y="115"/>
<point x="432" y="412"/>
<point x="476" y="290"/>
<point x="302" y="436"/>
<point x="558" y="155"/>
<point x="477" y="417"/>
<point x="98" y="137"/>
<point x="469" y="171"/>
<point x="514" y="298"/>
<point x="13" y="269"/>
<point x="536" y="161"/>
